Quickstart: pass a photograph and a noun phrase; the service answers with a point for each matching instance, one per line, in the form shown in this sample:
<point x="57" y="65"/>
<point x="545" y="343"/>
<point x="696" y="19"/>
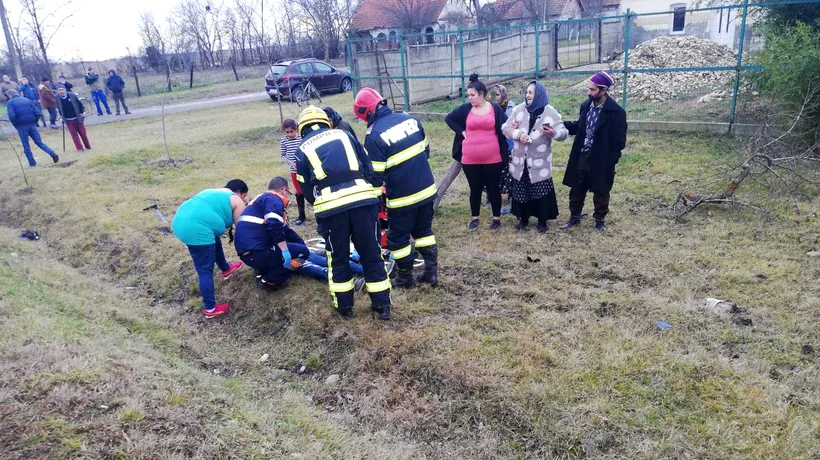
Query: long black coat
<point x="457" y="121"/>
<point x="609" y="141"/>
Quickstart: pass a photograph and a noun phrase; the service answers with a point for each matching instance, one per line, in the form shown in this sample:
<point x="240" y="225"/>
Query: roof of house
<point x="374" y="14"/>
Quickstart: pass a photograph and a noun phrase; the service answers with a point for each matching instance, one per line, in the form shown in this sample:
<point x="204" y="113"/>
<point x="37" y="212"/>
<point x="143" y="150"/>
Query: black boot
<point x="430" y="275"/>
<point x="300" y="203"/>
<point x="345" y="312"/>
<point x="600" y="225"/>
<point x="383" y="312"/>
<point x="405" y="277"/>
<point x="572" y="222"/>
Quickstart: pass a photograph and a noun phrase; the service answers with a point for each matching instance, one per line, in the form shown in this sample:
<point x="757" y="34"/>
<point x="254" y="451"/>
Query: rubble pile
<point x="677" y="51"/>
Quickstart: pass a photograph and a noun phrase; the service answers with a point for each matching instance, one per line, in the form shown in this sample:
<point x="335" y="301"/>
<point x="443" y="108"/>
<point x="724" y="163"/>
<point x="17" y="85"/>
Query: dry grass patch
<point x="533" y="346"/>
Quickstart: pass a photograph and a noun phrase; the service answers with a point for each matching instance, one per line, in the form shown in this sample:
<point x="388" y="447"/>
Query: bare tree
<point x="44" y="21"/>
<point x="412" y="15"/>
<point x="776" y="165"/>
<point x="200" y="23"/>
<point x="150" y="32"/>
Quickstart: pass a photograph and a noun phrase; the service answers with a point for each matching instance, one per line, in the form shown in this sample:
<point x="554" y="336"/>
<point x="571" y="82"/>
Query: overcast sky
<point x="100" y="29"/>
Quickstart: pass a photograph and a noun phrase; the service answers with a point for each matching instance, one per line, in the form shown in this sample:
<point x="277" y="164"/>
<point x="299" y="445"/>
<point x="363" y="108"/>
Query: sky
<point x="100" y="29"/>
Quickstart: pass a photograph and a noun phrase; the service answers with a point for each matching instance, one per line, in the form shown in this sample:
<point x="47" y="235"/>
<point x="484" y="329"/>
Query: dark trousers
<point x="205" y="256"/>
<point x="268" y="263"/>
<point x="404" y="223"/>
<point x="120" y="98"/>
<point x="42" y="115"/>
<point x="52" y="116"/>
<point x="31" y="131"/>
<point x="99" y="96"/>
<point x="361" y="226"/>
<point x="78" y="134"/>
<point x="578" y="193"/>
<point x="480" y="177"/>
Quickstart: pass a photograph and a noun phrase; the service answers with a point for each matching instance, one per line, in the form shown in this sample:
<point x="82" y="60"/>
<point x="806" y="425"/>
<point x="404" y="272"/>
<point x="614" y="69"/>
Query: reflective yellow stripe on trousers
<point x="426" y="241"/>
<point x="336" y="287"/>
<point x="378" y="286"/>
<point x="402" y="253"/>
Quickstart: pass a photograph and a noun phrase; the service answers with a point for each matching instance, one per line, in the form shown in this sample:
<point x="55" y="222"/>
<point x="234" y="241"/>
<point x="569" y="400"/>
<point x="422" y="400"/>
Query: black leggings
<point x="484" y="176"/>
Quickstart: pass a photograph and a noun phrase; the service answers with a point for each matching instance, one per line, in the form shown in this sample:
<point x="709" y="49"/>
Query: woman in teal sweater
<point x="199" y="223"/>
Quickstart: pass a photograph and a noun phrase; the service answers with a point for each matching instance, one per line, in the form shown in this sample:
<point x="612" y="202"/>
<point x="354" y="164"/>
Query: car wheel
<point x="298" y="94"/>
<point x="347" y="85"/>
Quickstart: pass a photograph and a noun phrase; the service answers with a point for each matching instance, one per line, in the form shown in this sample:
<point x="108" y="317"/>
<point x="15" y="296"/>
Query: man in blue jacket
<point x="30" y="92"/>
<point x="23" y="115"/>
<point x="265" y="241"/>
<point x="92" y="80"/>
<point x="116" y="84"/>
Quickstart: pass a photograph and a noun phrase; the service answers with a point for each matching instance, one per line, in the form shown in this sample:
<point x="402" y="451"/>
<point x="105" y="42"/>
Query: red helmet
<point x="366" y="103"/>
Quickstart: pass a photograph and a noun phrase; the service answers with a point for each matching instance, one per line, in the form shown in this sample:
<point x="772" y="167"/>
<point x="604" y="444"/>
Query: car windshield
<point x="276" y="71"/>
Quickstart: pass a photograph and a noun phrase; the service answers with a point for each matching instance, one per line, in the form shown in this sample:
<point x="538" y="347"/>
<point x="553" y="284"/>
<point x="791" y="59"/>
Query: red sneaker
<point x="234" y="267"/>
<point x="219" y="309"/>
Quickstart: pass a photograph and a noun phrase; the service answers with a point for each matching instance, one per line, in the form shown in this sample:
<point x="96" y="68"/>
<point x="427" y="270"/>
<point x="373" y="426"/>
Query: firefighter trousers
<point x="404" y="223"/>
<point x="361" y="226"/>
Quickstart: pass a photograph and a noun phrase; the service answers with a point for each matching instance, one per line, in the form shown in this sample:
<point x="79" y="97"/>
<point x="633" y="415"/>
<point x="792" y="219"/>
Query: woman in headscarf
<point x="532" y="127"/>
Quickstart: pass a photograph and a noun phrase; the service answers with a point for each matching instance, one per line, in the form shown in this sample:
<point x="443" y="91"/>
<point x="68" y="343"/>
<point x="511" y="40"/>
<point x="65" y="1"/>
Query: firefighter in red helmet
<point x="398" y="149"/>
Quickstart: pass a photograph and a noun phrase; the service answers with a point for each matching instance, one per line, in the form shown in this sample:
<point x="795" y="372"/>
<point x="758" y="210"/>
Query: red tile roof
<point x="518" y="9"/>
<point x="374" y="14"/>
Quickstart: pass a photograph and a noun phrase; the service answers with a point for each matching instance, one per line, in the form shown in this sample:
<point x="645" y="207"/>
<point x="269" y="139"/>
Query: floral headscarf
<point x="502" y="91"/>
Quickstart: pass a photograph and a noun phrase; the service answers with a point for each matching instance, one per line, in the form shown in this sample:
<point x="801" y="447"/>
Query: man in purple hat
<point x="600" y="136"/>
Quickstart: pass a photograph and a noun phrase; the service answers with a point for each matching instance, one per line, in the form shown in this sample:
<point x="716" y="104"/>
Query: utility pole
<point x="12" y="52"/>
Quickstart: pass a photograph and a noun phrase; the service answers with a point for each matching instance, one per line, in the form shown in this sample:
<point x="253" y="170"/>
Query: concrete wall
<point x="485" y="56"/>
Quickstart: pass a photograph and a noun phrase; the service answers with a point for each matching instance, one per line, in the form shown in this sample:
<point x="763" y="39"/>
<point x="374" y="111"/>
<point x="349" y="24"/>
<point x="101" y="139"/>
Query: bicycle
<point x="303" y="92"/>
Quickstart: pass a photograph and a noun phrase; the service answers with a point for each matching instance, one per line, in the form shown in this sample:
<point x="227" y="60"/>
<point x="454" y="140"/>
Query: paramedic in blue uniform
<point x="399" y="151"/>
<point x="336" y="178"/>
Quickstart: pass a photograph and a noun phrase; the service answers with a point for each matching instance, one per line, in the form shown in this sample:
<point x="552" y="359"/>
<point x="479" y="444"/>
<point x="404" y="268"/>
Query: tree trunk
<point x="446" y="181"/>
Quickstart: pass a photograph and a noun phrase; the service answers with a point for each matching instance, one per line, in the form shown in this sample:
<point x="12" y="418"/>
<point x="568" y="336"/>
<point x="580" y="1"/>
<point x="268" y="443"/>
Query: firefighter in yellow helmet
<point x="335" y="174"/>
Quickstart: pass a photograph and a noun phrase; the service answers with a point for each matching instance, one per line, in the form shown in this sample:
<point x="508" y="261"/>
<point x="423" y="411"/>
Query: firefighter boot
<point x="405" y="277"/>
<point x="430" y="275"/>
<point x="383" y="312"/>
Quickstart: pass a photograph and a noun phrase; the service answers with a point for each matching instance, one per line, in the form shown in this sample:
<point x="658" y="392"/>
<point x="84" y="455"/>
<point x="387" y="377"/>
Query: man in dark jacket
<point x="337" y="122"/>
<point x="61" y="81"/>
<point x="116" y="84"/>
<point x="29" y="91"/>
<point x="600" y="136"/>
<point x="23" y="115"/>
<point x="71" y="109"/>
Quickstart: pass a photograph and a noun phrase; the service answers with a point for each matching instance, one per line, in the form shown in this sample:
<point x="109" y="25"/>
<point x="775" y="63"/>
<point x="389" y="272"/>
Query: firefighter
<point x="336" y="177"/>
<point x="399" y="151"/>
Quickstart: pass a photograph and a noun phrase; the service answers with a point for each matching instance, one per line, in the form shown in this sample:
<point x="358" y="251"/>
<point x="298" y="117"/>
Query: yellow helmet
<point x="312" y="115"/>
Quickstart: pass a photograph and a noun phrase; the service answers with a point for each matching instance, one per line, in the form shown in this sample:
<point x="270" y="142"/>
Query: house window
<point x="394" y="42"/>
<point x="429" y="38"/>
<point x="678" y="18"/>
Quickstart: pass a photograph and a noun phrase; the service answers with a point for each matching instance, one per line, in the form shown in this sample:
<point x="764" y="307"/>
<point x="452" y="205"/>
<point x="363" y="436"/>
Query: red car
<point x="286" y="77"/>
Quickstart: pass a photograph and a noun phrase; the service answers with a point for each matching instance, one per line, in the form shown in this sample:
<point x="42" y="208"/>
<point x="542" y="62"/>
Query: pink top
<point x="481" y="145"/>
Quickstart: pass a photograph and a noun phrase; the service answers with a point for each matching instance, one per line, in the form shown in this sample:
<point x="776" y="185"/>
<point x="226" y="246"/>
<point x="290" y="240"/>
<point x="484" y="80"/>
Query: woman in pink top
<point x="481" y="148"/>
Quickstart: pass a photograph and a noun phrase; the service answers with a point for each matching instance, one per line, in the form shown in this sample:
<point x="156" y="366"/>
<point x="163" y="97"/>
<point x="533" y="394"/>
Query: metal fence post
<point x="537" y="50"/>
<point x="627" y="27"/>
<point x="461" y="61"/>
<point x="739" y="64"/>
<point x="404" y="72"/>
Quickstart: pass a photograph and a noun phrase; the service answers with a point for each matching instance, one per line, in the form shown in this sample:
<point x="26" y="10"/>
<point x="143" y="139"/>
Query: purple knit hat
<point x="602" y="79"/>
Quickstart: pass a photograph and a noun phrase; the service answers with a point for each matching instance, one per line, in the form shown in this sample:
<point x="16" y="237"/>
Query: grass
<point x="506" y="359"/>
